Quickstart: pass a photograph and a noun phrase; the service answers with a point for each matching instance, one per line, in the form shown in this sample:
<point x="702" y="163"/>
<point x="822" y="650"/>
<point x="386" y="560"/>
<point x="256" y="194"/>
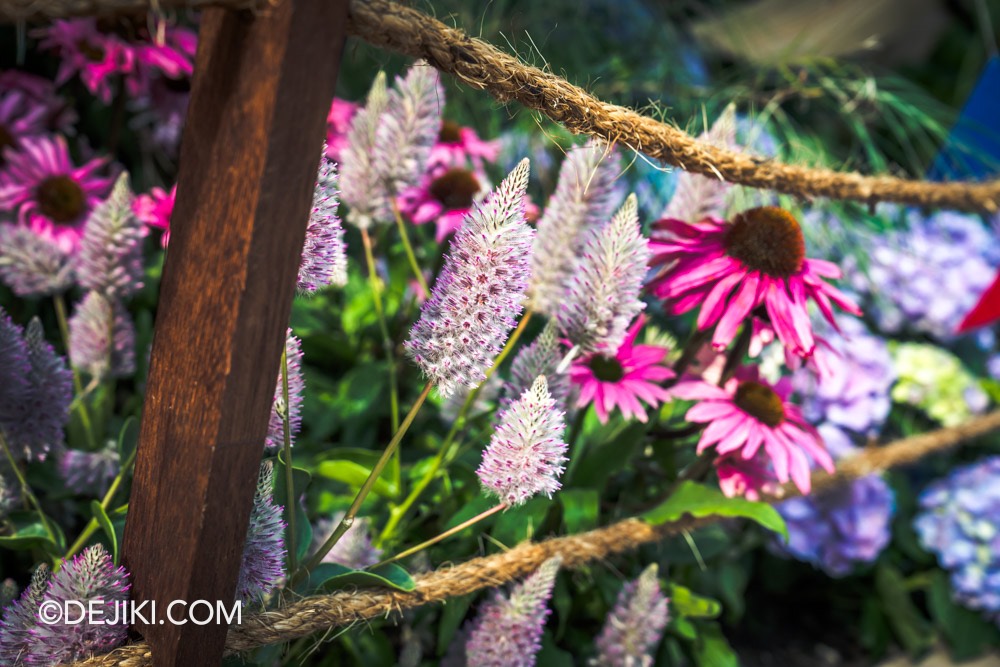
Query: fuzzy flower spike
<point x="508" y="631"/>
<point x="747" y="413"/>
<point x="731" y="268"/>
<point x="527" y="452"/>
<point x="635" y="626"/>
<point x="110" y="257"/>
<point x="360" y="184"/>
<point x="478" y="294"/>
<point x="602" y="296"/>
<point x="263" y="564"/>
<point x="324" y="259"/>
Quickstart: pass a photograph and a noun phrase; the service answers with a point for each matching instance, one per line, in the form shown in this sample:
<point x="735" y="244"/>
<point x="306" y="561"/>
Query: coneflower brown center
<point x="60" y="198"/>
<point x="606" y="369"/>
<point x="451" y="132"/>
<point x="760" y="402"/>
<point x="6" y="141"/>
<point x="92" y="52"/>
<point x="767" y="239"/>
<point x="455" y="188"/>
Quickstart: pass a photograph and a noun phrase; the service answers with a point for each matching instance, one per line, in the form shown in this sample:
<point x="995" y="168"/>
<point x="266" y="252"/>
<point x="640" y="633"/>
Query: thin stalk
<point x="109" y="496"/>
<point x="735" y="358"/>
<point x="405" y="236"/>
<point x="567" y="360"/>
<point x="397" y="513"/>
<point x="691" y="348"/>
<point x="365" y="489"/>
<point x="60" y="306"/>
<point x="289" y="478"/>
<point x="25" y="488"/>
<point x="445" y="534"/>
<point x="387" y="345"/>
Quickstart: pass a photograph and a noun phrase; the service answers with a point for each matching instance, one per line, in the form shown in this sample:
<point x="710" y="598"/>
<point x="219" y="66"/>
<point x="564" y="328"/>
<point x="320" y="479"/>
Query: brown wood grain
<point x="249" y="154"/>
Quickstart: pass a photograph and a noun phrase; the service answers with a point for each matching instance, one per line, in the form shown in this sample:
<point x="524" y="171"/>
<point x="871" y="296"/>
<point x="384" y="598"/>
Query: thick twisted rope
<point x="322" y="612"/>
<point x="480" y="65"/>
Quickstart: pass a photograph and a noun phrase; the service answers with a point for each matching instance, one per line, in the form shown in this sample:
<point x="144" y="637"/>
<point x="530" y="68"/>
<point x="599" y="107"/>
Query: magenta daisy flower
<point x="747" y="413"/>
<point x="83" y="49"/>
<point x="19" y="118"/>
<point x="746" y="478"/>
<point x="59" y="115"/>
<point x="50" y="194"/>
<point x="626" y="380"/>
<point x="155" y="209"/>
<point x="458" y="146"/>
<point x="731" y="268"/>
<point x="445" y="196"/>
<point x="338" y="122"/>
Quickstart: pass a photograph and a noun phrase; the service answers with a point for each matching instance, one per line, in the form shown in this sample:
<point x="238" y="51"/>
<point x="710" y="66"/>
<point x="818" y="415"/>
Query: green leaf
<point x="687" y="604"/>
<point x="581" y="508"/>
<point x="605" y="455"/>
<point x="518" y="524"/>
<point x="128" y="438"/>
<point x="967" y="632"/>
<point x="354" y="475"/>
<point x="551" y="655"/>
<point x="29" y="533"/>
<point x="102" y="519"/>
<point x="713" y="649"/>
<point x="329" y="577"/>
<point x="683" y="628"/>
<point x="452" y="615"/>
<point x="908" y="624"/>
<point x="300" y="482"/>
<point x="701" y="501"/>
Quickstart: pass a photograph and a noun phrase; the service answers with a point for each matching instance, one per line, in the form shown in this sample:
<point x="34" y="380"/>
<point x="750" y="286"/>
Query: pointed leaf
<point x="701" y="501"/>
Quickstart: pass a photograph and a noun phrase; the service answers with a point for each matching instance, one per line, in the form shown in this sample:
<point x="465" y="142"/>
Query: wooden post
<point x="261" y="91"/>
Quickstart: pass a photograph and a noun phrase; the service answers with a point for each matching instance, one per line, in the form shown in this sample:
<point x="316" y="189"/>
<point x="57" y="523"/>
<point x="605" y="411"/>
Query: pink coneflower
<point x="51" y="194"/>
<point x="338" y="122"/>
<point x="59" y="115"/>
<point x="625" y="380"/>
<point x="457" y="146"/>
<point x="748" y="412"/>
<point x="746" y="478"/>
<point x="83" y="49"/>
<point x="731" y="268"/>
<point x="445" y="197"/>
<point x="155" y="210"/>
<point x="19" y="118"/>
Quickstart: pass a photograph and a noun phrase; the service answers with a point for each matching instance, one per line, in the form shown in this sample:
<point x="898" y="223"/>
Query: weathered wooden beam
<point x="34" y="10"/>
<point x="261" y="91"/>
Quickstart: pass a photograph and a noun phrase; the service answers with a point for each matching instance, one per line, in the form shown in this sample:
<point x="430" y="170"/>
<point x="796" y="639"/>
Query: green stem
<point x="576" y="449"/>
<point x="109" y="496"/>
<point x="81" y="406"/>
<point x="25" y="488"/>
<point x="397" y="513"/>
<point x="405" y="236"/>
<point x="448" y="533"/>
<point x="691" y="349"/>
<point x="365" y="489"/>
<point x="289" y="478"/>
<point x="383" y="327"/>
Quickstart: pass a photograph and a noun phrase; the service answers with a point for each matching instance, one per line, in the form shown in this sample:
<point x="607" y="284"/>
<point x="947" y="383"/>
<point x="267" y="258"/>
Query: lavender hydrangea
<point x="90" y="473"/>
<point x="324" y="258"/>
<point x="542" y="357"/>
<point x="361" y="186"/>
<point x="477" y="296"/>
<point x="602" y="295"/>
<point x="32" y="266"/>
<point x="696" y="196"/>
<point x="110" y="257"/>
<point x="32" y="419"/>
<point x="409" y="128"/>
<point x="837" y="529"/>
<point x="959" y="522"/>
<point x="584" y="199"/>
<point x="92" y="579"/>
<point x="263" y="564"/>
<point x="102" y="338"/>
<point x="924" y="279"/>
<point x="20" y="617"/>
<point x="354" y="549"/>
<point x="526" y="453"/>
<point x="508" y="630"/>
<point x="296" y="389"/>
<point x="635" y="626"/>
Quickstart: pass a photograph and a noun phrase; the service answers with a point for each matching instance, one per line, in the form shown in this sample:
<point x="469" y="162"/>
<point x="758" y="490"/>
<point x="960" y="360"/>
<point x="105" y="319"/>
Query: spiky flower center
<point x="760" y="402"/>
<point x="606" y="369"/>
<point x="60" y="199"/>
<point x="767" y="239"/>
<point x="451" y="132"/>
<point x="455" y="189"/>
<point x="92" y="52"/>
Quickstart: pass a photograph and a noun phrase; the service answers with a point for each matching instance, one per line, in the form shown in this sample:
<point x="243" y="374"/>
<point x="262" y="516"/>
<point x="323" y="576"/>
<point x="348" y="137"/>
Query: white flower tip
<point x="518" y="177"/>
<point x="540" y="388"/>
<point x="378" y="95"/>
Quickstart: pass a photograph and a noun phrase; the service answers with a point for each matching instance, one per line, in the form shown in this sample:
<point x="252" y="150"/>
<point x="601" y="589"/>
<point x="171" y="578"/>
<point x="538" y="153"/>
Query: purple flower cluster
<point x="110" y="257"/>
<point x="263" y="564"/>
<point x="959" y="522"/>
<point x="35" y="390"/>
<point x="477" y="296"/>
<point x="508" y="630"/>
<point x="296" y="388"/>
<point x="635" y="626"/>
<point x="354" y="549"/>
<point x="926" y="278"/>
<point x="32" y="265"/>
<point x="90" y="473"/>
<point x="102" y="338"/>
<point x="541" y="357"/>
<point x="324" y="259"/>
